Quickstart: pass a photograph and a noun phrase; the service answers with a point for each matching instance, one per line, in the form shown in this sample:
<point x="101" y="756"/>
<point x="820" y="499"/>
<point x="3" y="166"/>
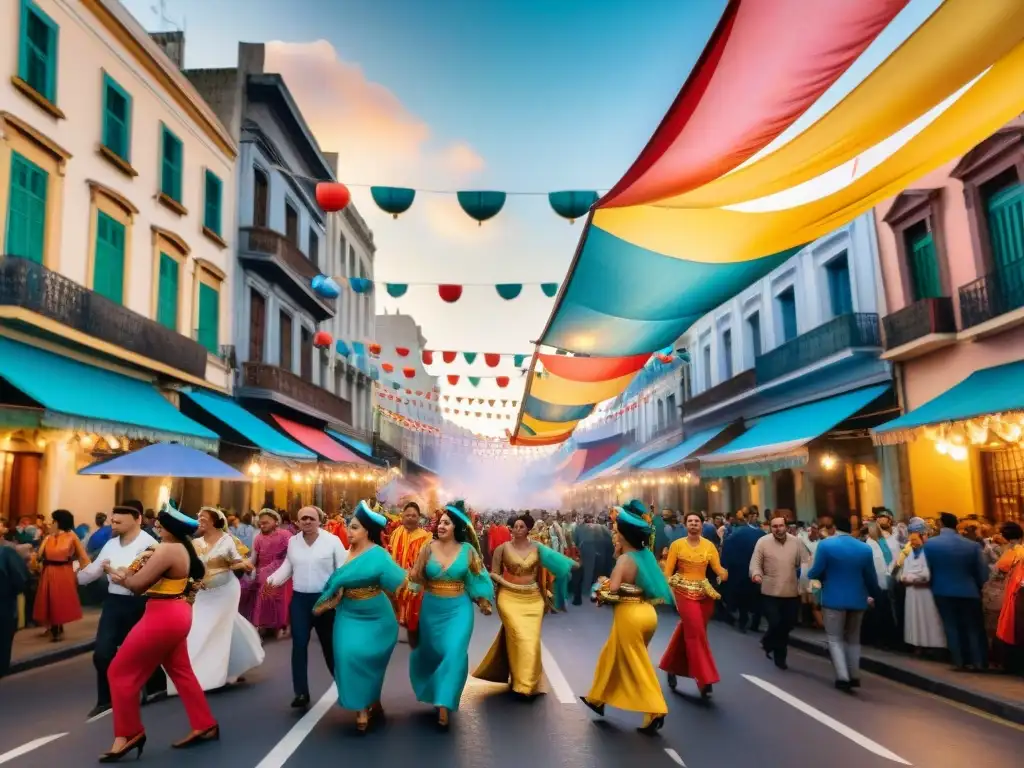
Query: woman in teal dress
<point x="452" y="573"/>
<point x="365" y="627"/>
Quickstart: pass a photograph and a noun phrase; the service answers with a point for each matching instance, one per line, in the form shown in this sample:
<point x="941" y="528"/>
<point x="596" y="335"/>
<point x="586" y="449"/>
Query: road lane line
<point x="675" y="756"/>
<point x="24" y="749"/>
<point x="821" y="717"/>
<point x="559" y="685"/>
<point x="100" y="716"/>
<point x="286" y="747"/>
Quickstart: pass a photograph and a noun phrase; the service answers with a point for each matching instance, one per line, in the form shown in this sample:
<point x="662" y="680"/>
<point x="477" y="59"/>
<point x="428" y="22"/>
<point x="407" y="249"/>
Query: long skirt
<point x="266" y="610"/>
<point x="221" y="644"/>
<point x="439" y="664"/>
<point x="922" y="626"/>
<point x="365" y="635"/>
<point x="515" y="652"/>
<point x="625" y="677"/>
<point x="688" y="653"/>
<point x="57" y="596"/>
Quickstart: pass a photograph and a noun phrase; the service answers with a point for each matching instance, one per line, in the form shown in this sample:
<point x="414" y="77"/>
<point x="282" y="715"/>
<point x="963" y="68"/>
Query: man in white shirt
<point x="313" y="556"/>
<point x="121" y="609"/>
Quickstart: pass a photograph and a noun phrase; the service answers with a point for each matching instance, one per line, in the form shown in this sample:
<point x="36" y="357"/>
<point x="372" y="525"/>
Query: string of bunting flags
<point x="478" y="442"/>
<point x="329" y="287"/>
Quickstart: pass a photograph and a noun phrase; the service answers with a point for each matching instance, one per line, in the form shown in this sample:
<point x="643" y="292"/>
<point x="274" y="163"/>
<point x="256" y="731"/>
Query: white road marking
<point x="559" y="685"/>
<point x="24" y="749"/>
<point x="100" y="716"/>
<point x="286" y="747"/>
<point x="821" y="717"/>
<point x="675" y="756"/>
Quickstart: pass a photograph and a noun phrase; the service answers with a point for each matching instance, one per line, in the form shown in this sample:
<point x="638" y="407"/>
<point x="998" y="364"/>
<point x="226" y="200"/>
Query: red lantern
<point x="402" y="351"/>
<point x="374" y="349"/>
<point x="502" y="381"/>
<point x="332" y="195"/>
<point x="449" y="293"/>
<point x="428" y="357"/>
<point x="491" y="359"/>
<point x="409" y="372"/>
<point x="408" y="392"/>
<point x="453" y="380"/>
<point x="322" y="339"/>
<point x="388" y="367"/>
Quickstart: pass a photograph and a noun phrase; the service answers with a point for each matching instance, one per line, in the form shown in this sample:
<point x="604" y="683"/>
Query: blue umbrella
<point x="165" y="460"/>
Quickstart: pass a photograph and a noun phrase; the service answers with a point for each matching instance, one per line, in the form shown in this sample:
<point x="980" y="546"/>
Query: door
<point x="306" y="350"/>
<point x="260" y="198"/>
<point x="26" y="211"/>
<point x="286" y="342"/>
<point x="108" y="266"/>
<point x="257" y="326"/>
<point x="924" y="265"/>
<point x="1006" y="233"/>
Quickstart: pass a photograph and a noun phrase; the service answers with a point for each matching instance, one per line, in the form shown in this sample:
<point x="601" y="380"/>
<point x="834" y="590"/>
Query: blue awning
<point x="256" y="431"/>
<point x="606" y="466"/>
<point x="684" y="450"/>
<point x="363" y="449"/>
<point x="779" y="440"/>
<point x="165" y="460"/>
<point x="83" y="397"/>
<point x="991" y="390"/>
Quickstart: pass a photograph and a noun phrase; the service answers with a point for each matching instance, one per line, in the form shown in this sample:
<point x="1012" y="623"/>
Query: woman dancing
<point x="688" y="653"/>
<point x="57" y="602"/>
<point x="516" y="569"/>
<point x="267" y="610"/>
<point x="365" y="627"/>
<point x="625" y="676"/>
<point x="452" y="574"/>
<point x="169" y="578"/>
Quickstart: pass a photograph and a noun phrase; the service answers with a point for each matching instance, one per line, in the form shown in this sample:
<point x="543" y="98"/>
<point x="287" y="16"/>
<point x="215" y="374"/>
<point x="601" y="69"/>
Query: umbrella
<point x="165" y="460"/>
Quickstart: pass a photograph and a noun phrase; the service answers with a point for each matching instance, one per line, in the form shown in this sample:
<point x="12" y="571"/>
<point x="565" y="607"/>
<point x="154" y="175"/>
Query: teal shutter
<point x="924" y="267"/>
<point x="167" y="293"/>
<point x="117" y="119"/>
<point x="1006" y="226"/>
<point x="26" y="212"/>
<point x="108" y="266"/>
<point x="839" y="289"/>
<point x="209" y="318"/>
<point x="37" y="57"/>
<point x="170" y="165"/>
<point x="211" y="214"/>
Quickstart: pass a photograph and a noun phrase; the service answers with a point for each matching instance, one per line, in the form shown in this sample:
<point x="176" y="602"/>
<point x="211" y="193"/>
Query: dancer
<point x="313" y="557"/>
<point x="688" y="653"/>
<point x="169" y="578"/>
<point x="452" y="574"/>
<point x="122" y="609"/>
<point x="57" y="602"/>
<point x="222" y="645"/>
<point x="365" y="627"/>
<point x="267" y="610"/>
<point x="405" y="544"/>
<point x="625" y="676"/>
<point x="516" y="569"/>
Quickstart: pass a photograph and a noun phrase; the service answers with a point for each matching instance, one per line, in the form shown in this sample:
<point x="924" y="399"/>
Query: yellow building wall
<point x="940" y="484"/>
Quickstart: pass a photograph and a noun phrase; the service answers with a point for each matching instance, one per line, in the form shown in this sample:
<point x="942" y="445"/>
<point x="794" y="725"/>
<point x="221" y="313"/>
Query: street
<point x="758" y="715"/>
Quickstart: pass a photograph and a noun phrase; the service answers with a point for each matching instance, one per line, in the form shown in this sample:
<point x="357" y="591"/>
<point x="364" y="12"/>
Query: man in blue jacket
<point x="743" y="595"/>
<point x="958" y="573"/>
<point x="845" y="567"/>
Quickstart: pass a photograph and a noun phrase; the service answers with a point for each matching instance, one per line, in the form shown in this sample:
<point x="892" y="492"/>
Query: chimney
<point x="172" y="44"/>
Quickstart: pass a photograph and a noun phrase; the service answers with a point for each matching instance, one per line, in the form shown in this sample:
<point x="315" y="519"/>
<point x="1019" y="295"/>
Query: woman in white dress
<point x="222" y="645"/>
<point x="922" y="626"/>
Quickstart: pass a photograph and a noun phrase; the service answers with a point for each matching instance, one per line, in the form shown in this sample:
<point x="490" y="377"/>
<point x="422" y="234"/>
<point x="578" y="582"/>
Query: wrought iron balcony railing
<point x="283" y="382"/>
<point x="993" y="295"/>
<point x="852" y="331"/>
<point x="724" y="390"/>
<point x="263" y="248"/>
<point x="917" y="320"/>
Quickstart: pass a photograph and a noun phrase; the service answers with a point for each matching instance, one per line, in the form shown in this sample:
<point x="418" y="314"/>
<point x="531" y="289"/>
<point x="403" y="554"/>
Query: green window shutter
<point x="167" y="293"/>
<point x="108" y="266"/>
<point x="924" y="266"/>
<point x="209" y="318"/>
<point x="117" y="119"/>
<point x="212" y="214"/>
<point x="170" y="164"/>
<point x="26" y="212"/>
<point x="37" y="50"/>
<point x="1006" y="226"/>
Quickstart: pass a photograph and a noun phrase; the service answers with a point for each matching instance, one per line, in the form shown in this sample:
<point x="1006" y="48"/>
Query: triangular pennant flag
<point x="458" y="399"/>
<point x="492" y="359"/>
<point x="478" y="414"/>
<point x="519" y="360"/>
<point x="427" y="356"/>
<point x="402" y="351"/>
<point x="474" y="380"/>
<point x="449" y="357"/>
<point x="470" y="357"/>
<point x="515" y="403"/>
<point x="504" y="403"/>
<point x="456" y="410"/>
<point x="501" y="381"/>
<point x="490" y="403"/>
<point x="453" y="380"/>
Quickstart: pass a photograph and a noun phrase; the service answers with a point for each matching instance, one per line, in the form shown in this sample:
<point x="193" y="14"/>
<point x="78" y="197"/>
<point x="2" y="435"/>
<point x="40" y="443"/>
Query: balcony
<point x="919" y="328"/>
<point x="274" y="256"/>
<point x="262" y="381"/>
<point x="845" y="333"/>
<point x="30" y="286"/>
<point x="721" y="392"/>
<point x="993" y="303"/>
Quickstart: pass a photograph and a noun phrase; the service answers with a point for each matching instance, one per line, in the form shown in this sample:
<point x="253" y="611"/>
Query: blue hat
<point x="368" y="517"/>
<point x="456" y="508"/>
<point x="625" y="516"/>
<point x="174" y="514"/>
<point x="636" y="507"/>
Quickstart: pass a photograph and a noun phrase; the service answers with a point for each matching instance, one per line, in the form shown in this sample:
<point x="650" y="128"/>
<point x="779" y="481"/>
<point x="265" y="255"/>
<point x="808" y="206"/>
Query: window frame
<point x="165" y="134"/>
<point x="110" y="83"/>
<point x="53" y="66"/>
<point x="210" y="276"/>
<point x="165" y="241"/>
<point x="912" y="207"/>
<point x="103" y="199"/>
<point x="209" y="176"/>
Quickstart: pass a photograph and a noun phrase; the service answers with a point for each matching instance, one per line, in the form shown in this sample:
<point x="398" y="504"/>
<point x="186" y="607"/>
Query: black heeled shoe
<point x="135" y="744"/>
<point x="597" y="709"/>
<point x="673" y="681"/>
<point x="705" y="691"/>
<point x="210" y="734"/>
<point x="652" y="727"/>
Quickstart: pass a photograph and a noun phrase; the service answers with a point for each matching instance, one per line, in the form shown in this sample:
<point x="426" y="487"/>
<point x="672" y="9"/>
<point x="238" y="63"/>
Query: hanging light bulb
<point x="254" y="468"/>
<point x="713" y="488"/>
<point x="277" y="474"/>
<point x="828" y="462"/>
<point x="296" y="477"/>
<point x="86" y="441"/>
<point x="958" y="452"/>
<point x="112" y="442"/>
<point x="942" y="447"/>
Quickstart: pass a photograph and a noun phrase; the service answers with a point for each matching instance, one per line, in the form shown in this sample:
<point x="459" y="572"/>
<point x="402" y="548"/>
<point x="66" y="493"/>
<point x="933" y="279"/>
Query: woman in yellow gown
<point x="517" y="568"/>
<point x="625" y="677"/>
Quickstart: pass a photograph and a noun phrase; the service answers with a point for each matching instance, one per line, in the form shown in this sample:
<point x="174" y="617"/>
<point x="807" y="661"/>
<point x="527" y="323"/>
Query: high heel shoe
<point x="443" y="720"/>
<point x="673" y="681"/>
<point x="362" y="722"/>
<point x="135" y="744"/>
<point x="652" y="726"/>
<point x="595" y="708"/>
<point x="377" y="712"/>
<point x="196" y="737"/>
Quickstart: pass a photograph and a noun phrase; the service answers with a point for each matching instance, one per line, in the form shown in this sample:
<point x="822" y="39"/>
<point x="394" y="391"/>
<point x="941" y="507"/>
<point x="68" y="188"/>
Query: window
<point x="286" y="341"/>
<point x="840" y="294"/>
<point x="291" y="224"/>
<point x="108" y="266"/>
<point x="661" y="415"/>
<point x="727" y="354"/>
<point x="171" y="160"/>
<point x="707" y="366"/>
<point x="754" y="334"/>
<point x="786" y="302"/>
<point x="671" y="412"/>
<point x="306" y="350"/>
<point x="26" y="210"/>
<point x="212" y="209"/>
<point x="208" y="326"/>
<point x="37" y="51"/>
<point x="261" y="194"/>
<point x="167" y="292"/>
<point x="257" y="325"/>
<point x="923" y="262"/>
<point x="314" y="247"/>
<point x="1004" y="208"/>
<point x="117" y="119"/>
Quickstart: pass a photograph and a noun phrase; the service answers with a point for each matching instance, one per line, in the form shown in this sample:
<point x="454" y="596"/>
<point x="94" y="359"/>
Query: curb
<point x="993" y="706"/>
<point x="51" y="657"/>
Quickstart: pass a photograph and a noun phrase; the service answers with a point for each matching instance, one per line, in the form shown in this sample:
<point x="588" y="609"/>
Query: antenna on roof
<point x="167" y="24"/>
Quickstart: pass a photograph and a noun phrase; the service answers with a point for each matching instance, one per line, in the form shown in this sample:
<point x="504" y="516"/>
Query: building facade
<point x="117" y="218"/>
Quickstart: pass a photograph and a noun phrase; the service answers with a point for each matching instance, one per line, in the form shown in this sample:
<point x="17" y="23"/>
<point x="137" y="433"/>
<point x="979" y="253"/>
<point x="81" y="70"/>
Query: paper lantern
<point x="572" y="204"/>
<point x="481" y="205"/>
<point x="449" y="293"/>
<point x="449" y="357"/>
<point x="550" y="289"/>
<point x="332" y="195"/>
<point x="409" y="372"/>
<point x="492" y="359"/>
<point x="322" y="339"/>
<point x="361" y="284"/>
<point x="453" y="380"/>
<point x="374" y="349"/>
<point x="501" y="381"/>
<point x="393" y="200"/>
<point x="342" y="348"/>
<point x="325" y="286"/>
<point x="388" y="367"/>
<point x="395" y="384"/>
<point x="427" y="356"/>
<point x="402" y="351"/>
<point x="396" y="290"/>
<point x="509" y="291"/>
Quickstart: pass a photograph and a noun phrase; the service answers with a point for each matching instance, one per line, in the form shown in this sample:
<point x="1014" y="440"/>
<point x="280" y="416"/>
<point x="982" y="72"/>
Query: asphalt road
<point x="758" y="716"/>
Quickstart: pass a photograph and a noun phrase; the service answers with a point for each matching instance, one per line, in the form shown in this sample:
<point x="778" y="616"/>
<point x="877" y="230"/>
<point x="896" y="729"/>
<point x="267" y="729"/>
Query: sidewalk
<point x="998" y="694"/>
<point x="32" y="649"/>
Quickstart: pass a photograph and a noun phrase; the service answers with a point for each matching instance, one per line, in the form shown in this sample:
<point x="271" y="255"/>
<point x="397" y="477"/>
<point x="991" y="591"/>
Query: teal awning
<point x="257" y="432"/>
<point x="778" y="440"/>
<point x="991" y="390"/>
<point x="83" y="397"/>
<point x="679" y="453"/>
<point x="357" y="445"/>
